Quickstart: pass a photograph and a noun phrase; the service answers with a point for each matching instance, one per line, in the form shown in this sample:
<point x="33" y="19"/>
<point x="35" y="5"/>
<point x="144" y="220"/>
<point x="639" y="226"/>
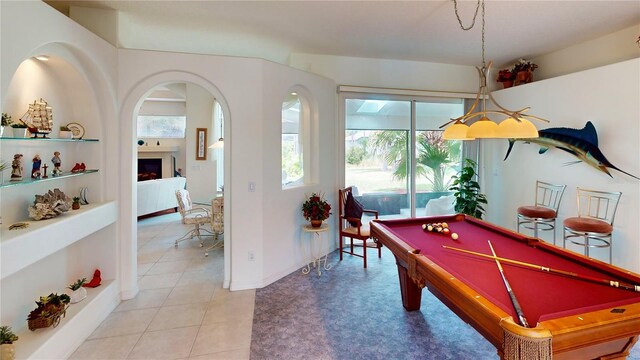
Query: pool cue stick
<point x="512" y="295"/>
<point x="612" y="283"/>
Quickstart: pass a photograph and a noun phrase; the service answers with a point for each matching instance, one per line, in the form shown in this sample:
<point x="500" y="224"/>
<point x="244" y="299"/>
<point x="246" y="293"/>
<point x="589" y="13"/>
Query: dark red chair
<point x="353" y="228"/>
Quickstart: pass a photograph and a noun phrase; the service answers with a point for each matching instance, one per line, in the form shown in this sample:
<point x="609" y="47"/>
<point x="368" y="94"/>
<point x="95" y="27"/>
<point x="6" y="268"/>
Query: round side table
<point x="317" y="257"/>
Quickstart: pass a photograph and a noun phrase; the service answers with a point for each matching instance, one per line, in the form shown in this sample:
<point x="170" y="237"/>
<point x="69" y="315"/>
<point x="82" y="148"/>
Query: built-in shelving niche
<point x="50" y="254"/>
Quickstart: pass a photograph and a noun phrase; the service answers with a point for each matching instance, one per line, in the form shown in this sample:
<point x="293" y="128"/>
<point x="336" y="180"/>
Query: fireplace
<point x="149" y="169"/>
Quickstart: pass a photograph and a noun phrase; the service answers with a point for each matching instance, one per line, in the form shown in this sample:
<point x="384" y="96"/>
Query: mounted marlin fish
<point x="581" y="143"/>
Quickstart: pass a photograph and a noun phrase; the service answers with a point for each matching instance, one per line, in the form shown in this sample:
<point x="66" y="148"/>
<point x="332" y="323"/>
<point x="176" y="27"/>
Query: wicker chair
<point x="217" y="224"/>
<point x="195" y="216"/>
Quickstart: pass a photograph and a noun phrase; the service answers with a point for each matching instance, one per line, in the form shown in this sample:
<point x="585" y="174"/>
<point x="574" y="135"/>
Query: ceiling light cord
<point x="473" y="23"/>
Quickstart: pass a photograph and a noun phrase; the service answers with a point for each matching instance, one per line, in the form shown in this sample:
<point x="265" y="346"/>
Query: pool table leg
<point x="411" y="293"/>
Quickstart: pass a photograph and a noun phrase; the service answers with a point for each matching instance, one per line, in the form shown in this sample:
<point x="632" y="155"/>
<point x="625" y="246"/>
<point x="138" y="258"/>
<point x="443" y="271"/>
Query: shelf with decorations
<point x="49" y="139"/>
<point x="27" y="181"/>
<point x="20" y="248"/>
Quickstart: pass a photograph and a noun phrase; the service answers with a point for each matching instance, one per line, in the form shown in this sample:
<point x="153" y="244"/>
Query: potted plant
<point x="77" y="292"/>
<point x="48" y="312"/>
<point x="65" y="132"/>
<point x="466" y="190"/>
<point x="316" y="209"/>
<point x="524" y="71"/>
<point x="506" y="77"/>
<point x="7" y="349"/>
<point x="6" y="126"/>
<point x="76" y="203"/>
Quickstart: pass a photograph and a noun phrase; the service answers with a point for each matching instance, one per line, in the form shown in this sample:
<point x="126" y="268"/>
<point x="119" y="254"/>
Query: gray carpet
<point x="353" y="313"/>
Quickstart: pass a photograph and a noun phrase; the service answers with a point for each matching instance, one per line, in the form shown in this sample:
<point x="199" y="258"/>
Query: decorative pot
<point x="75" y="206"/>
<point x="316" y="223"/>
<point x="6" y="131"/>
<point x="21" y="133"/>
<point x="524" y="77"/>
<point x="507" y="84"/>
<point x="7" y="352"/>
<point x="77" y="295"/>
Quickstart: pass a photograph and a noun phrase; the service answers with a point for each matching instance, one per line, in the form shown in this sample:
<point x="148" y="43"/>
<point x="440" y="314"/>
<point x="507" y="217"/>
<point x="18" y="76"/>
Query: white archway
<point x="128" y="230"/>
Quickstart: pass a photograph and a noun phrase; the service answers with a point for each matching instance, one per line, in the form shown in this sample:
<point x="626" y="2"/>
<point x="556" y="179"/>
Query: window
<point x="292" y="141"/>
<point x="162" y="126"/>
<point x="395" y="156"/>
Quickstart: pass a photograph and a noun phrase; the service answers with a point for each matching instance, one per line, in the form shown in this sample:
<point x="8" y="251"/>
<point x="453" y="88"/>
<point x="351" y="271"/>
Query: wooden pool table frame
<point x="592" y="335"/>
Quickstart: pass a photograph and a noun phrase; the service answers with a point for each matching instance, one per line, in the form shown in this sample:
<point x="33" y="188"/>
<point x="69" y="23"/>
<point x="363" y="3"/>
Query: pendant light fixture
<point x="220" y="143"/>
<point x="516" y="125"/>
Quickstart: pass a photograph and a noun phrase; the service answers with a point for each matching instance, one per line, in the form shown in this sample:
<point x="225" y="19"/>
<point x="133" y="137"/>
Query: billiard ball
<point x="454" y="236"/>
<point x="445" y="230"/>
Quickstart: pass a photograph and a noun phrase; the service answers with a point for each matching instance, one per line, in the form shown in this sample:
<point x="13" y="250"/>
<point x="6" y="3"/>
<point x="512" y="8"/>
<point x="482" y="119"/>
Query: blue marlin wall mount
<point x="581" y="143"/>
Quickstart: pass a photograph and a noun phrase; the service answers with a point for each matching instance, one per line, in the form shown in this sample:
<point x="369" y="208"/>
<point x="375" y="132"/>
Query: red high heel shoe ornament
<point x="83" y="167"/>
<point x="76" y="168"/>
<point x="95" y="282"/>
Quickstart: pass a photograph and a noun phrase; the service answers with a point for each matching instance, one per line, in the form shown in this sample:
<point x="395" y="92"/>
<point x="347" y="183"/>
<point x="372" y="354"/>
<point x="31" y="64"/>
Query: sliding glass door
<point x="395" y="157"/>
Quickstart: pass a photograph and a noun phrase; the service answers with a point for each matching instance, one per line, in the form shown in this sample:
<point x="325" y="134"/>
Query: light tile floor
<point x="182" y="311"/>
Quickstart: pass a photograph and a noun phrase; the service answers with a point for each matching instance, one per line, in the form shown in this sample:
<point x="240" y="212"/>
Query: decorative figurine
<point x="35" y="170"/>
<point x="16" y="168"/>
<point x="83" y="196"/>
<point x="95" y="281"/>
<point x="56" y="164"/>
<point x="44" y="168"/>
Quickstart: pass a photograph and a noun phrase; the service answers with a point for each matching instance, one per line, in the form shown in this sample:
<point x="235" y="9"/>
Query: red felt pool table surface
<point x="543" y="296"/>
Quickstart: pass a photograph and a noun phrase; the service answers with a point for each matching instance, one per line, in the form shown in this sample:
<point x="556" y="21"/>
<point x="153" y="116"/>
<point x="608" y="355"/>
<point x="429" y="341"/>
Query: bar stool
<point x="596" y="212"/>
<point x="542" y="215"/>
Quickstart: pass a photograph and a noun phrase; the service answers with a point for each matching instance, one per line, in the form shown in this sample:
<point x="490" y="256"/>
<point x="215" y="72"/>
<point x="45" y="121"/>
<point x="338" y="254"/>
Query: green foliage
<point x="291" y="162"/>
<point x="19" y="126"/>
<point x="6" y="119"/>
<point x="7" y="336"/>
<point x="466" y="189"/>
<point x="435" y="155"/>
<point x="358" y="152"/>
<point x="49" y="305"/>
<point x="78" y="284"/>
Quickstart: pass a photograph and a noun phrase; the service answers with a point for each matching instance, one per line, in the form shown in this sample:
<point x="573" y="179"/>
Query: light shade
<point x="483" y="128"/>
<point x="457" y="131"/>
<point x="218" y="144"/>
<point x="514" y="129"/>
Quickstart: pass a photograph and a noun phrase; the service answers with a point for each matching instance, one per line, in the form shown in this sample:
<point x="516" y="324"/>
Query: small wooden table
<point x="317" y="257"/>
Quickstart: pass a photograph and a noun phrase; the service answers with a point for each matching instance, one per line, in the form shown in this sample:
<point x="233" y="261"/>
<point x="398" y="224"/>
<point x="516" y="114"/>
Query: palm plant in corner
<point x="466" y="190"/>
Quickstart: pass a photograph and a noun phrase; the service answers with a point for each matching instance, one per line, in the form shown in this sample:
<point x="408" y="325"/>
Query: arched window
<point x="295" y="135"/>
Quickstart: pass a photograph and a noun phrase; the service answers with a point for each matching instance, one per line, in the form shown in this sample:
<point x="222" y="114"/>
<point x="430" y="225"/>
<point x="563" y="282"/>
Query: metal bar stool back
<point x="542" y="215"/>
<point x="593" y="227"/>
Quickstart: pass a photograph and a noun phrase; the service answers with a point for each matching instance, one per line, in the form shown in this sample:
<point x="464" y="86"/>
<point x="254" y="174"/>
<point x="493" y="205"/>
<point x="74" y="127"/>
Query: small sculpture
<point x="83" y="196"/>
<point x="56" y="164"/>
<point x="49" y="205"/>
<point x="95" y="281"/>
<point x="16" y="168"/>
<point x="44" y="171"/>
<point x="35" y="170"/>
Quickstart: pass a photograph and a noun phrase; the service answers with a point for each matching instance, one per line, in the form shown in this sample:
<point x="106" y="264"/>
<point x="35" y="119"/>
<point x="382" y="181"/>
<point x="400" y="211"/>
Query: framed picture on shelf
<point x="201" y="144"/>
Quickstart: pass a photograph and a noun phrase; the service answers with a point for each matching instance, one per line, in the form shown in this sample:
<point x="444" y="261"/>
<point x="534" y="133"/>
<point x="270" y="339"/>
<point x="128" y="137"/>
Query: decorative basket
<point x="44" y="322"/>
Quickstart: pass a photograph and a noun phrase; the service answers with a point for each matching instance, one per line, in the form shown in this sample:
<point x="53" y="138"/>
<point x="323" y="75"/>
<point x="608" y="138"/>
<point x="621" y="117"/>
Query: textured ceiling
<point x="408" y="30"/>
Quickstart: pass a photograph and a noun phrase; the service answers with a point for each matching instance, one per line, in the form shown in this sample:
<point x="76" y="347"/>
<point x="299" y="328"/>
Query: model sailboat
<point x="38" y="118"/>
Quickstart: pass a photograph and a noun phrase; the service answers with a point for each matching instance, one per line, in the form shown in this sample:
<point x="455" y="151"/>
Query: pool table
<point x="569" y="318"/>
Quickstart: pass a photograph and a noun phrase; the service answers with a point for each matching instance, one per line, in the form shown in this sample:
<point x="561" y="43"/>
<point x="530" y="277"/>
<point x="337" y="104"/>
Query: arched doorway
<point x="128" y="214"/>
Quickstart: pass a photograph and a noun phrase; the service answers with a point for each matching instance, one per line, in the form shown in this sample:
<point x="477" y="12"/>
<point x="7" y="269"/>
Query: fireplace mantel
<point x="158" y="148"/>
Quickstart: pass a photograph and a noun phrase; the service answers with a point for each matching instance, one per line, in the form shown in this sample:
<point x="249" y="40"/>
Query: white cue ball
<point x="454" y="236"/>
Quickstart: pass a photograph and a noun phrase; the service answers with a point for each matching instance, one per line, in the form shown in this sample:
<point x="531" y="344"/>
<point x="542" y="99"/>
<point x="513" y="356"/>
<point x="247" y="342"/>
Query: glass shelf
<point x="28" y="180"/>
<point x="49" y="139"/>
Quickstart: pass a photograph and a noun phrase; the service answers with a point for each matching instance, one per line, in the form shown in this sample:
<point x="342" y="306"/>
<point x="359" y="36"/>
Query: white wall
<point x="609" y="97"/>
<point x="285" y="247"/>
<point x="609" y="49"/>
<point x="247" y="90"/>
<point x="386" y="73"/>
<point x="201" y="174"/>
